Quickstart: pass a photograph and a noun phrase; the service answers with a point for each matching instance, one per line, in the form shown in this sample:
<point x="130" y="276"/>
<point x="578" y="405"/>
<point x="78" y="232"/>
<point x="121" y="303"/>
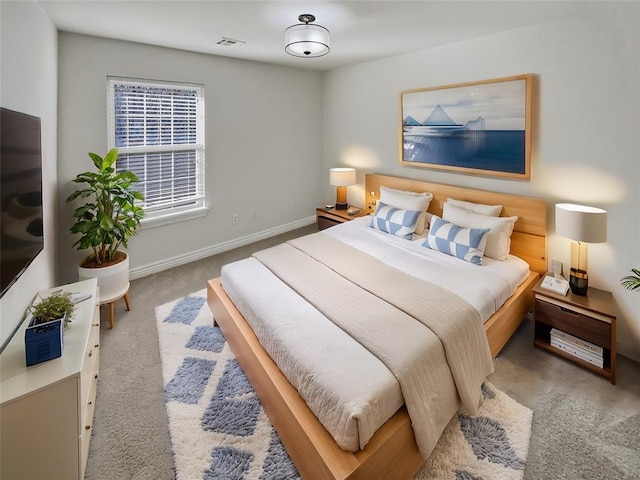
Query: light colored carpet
<point x="583" y="427"/>
<point x="220" y="431"/>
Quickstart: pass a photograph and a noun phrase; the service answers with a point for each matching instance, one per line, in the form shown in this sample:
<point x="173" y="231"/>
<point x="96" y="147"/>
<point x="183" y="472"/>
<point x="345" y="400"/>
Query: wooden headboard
<point x="529" y="238"/>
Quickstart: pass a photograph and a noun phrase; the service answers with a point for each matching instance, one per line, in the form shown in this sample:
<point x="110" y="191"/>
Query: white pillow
<point x="498" y="238"/>
<point x="405" y="200"/>
<point x="489" y="210"/>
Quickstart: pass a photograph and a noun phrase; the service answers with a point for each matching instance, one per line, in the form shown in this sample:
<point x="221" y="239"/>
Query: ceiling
<point x="361" y="30"/>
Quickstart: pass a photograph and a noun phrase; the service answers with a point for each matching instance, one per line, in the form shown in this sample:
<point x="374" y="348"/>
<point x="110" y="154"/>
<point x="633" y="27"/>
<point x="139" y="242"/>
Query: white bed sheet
<point x="485" y="287"/>
<point x="348" y="389"/>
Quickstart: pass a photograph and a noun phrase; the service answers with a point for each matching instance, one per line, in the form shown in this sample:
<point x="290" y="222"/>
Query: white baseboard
<point x="143" y="271"/>
<point x="629" y="351"/>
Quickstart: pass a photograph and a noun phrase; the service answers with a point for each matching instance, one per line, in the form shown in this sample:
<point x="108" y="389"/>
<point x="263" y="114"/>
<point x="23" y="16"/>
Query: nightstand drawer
<point x="324" y="222"/>
<point x="563" y="318"/>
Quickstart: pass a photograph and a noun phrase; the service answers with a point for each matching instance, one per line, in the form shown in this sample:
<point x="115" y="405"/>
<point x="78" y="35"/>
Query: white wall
<point x="586" y="146"/>
<point x="263" y="143"/>
<point x="28" y="84"/>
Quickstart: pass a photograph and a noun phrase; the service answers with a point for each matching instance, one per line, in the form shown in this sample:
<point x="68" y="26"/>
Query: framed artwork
<point x="477" y="127"/>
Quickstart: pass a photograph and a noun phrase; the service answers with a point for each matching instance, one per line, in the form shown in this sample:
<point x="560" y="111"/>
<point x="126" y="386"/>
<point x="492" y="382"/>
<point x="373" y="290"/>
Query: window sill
<point x="169" y="218"/>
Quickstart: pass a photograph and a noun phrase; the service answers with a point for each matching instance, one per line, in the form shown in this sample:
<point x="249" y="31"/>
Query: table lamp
<point x="341" y="178"/>
<point x="583" y="225"/>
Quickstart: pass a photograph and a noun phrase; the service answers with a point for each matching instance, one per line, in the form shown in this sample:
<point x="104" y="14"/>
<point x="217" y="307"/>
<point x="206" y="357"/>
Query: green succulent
<point x="631" y="282"/>
<point x="53" y="307"/>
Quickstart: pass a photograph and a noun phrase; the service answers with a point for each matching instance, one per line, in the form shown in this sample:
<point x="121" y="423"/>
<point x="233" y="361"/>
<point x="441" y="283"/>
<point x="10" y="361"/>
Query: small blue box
<point x="44" y="342"/>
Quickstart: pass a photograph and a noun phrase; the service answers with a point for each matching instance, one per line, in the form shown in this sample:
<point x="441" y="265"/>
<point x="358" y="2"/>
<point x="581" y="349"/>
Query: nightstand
<point x="329" y="217"/>
<point x="589" y="318"/>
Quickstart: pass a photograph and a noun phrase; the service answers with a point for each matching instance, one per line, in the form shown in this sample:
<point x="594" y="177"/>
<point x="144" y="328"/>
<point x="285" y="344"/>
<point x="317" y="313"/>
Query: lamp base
<point x="342" y="206"/>
<point x="579" y="282"/>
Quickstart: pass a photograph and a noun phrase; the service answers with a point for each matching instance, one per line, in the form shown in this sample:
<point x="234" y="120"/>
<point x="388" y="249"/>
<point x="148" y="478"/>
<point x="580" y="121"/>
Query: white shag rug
<point x="220" y="431"/>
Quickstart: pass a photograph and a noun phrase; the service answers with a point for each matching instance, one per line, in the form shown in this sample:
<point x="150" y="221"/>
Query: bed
<point x="392" y="451"/>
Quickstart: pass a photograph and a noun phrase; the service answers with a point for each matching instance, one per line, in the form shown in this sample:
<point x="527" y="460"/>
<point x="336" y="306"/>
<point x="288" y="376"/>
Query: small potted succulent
<point x="631" y="282"/>
<point x="44" y="336"/>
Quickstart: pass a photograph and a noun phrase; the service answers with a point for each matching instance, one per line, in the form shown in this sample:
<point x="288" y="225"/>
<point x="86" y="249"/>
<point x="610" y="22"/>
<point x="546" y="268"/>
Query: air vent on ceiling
<point x="228" y="42"/>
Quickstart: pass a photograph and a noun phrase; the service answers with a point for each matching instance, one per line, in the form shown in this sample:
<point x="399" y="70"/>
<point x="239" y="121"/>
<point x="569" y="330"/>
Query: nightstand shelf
<point x="591" y="318"/>
<point x="326" y="218"/>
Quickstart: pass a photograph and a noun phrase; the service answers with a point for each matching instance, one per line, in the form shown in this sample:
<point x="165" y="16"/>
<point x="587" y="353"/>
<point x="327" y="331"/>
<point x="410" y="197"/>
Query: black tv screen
<point x="21" y="227"/>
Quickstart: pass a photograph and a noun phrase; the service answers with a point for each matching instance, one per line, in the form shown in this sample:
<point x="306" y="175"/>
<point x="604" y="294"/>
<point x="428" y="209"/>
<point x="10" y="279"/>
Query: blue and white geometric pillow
<point x="395" y="221"/>
<point x="465" y="243"/>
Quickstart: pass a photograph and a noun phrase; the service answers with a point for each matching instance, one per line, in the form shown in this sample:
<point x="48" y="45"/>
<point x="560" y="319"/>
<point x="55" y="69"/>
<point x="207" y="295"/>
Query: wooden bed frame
<point x="392" y="451"/>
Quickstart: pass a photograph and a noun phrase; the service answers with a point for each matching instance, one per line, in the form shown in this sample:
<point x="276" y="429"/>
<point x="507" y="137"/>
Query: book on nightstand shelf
<point x="577" y="352"/>
<point x="578" y="342"/>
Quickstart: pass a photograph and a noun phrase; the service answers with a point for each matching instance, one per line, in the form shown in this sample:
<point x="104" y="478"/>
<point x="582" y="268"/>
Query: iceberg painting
<point x="477" y="127"/>
<point x="439" y="124"/>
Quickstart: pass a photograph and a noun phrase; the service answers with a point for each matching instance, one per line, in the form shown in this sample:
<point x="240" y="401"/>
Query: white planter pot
<point x="113" y="281"/>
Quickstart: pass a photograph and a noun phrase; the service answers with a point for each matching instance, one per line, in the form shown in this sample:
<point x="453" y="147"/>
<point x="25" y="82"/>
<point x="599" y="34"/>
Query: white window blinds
<point x="158" y="129"/>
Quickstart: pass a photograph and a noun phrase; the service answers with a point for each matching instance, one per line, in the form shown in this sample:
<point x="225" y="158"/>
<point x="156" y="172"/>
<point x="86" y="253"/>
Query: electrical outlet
<point x="234" y="219"/>
<point x="254" y="215"/>
<point x="359" y="200"/>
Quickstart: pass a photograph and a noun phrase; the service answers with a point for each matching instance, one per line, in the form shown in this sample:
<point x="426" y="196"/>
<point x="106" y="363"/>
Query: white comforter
<point x="347" y="388"/>
<point x="486" y="287"/>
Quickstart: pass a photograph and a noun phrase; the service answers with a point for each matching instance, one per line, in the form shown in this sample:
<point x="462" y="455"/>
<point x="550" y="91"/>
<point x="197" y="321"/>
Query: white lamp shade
<point x="342" y="177"/>
<point x="581" y="223"/>
<point x="306" y="40"/>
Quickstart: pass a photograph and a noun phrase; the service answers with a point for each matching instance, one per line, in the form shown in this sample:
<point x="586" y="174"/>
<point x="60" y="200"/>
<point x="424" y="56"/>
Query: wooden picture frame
<point x="481" y="128"/>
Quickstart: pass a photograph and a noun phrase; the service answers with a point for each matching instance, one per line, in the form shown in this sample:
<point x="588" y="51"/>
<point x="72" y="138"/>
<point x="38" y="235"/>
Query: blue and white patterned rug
<point x="220" y="431"/>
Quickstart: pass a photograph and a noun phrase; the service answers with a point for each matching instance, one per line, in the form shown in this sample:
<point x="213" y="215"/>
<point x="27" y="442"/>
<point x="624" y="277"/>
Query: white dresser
<point x="46" y="410"/>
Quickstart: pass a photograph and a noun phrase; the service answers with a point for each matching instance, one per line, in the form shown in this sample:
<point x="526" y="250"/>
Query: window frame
<point x="178" y="210"/>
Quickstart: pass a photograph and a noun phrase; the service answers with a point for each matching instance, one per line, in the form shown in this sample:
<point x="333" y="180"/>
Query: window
<point x="158" y="129"/>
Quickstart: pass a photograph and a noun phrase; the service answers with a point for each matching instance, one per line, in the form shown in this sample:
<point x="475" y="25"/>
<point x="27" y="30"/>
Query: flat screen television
<point x="21" y="227"/>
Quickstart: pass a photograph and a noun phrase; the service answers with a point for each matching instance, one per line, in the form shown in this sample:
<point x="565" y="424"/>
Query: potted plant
<point x="108" y="218"/>
<point x="631" y="282"/>
<point x="44" y="336"/>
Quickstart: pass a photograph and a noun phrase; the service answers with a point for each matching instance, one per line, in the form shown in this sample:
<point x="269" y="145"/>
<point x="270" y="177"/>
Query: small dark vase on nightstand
<point x="579" y="282"/>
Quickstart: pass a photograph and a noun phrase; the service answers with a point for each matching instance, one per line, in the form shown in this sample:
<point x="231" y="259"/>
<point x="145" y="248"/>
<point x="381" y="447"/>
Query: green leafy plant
<point x="53" y="307"/>
<point x="631" y="282"/>
<point x="110" y="215"/>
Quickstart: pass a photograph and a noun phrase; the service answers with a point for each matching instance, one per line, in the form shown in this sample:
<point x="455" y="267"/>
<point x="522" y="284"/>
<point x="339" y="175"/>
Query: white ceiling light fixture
<point x="305" y="39"/>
